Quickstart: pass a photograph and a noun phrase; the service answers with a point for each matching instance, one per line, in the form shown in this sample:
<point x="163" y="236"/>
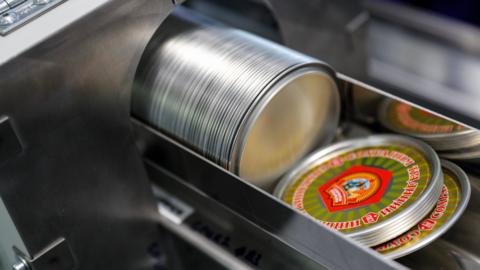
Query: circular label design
<point x="446" y="205"/>
<point x="414" y="120"/>
<point x="361" y="187"/>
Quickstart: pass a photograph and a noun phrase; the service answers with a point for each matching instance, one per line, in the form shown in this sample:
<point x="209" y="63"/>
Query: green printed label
<point x="362" y="187"/>
<point x="411" y="119"/>
<point x="446" y="206"/>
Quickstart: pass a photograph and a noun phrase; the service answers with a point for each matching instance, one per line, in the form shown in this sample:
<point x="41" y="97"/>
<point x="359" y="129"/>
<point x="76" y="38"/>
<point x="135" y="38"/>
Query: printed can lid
<point x="373" y="189"/>
<point x="440" y="133"/>
<point x="449" y="207"/>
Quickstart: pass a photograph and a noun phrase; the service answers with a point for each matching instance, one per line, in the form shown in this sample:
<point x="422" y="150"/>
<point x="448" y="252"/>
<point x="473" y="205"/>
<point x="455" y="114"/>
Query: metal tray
<point x="226" y="207"/>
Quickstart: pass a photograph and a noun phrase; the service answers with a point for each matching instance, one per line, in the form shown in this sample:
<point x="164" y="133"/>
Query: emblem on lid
<point x="357" y="186"/>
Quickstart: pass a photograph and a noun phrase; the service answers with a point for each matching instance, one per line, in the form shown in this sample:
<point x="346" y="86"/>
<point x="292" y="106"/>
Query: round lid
<point x="301" y="111"/>
<point x="372" y="188"/>
<point x="440" y="133"/>
<point x="407" y="119"/>
<point x="450" y="205"/>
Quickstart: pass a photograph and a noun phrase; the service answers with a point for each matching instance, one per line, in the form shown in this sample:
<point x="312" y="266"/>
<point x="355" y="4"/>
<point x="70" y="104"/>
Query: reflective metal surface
<point x="223" y="92"/>
<point x="22" y="11"/>
<point x="79" y="175"/>
<point x="396" y="224"/>
<point x="442" y="255"/>
<point x="461" y="240"/>
<point x="45" y="26"/>
<point x="318" y="243"/>
<point x="424" y="58"/>
<point x="71" y="155"/>
<point x="465" y="232"/>
<point x="441" y="135"/>
<point x="202" y="244"/>
<point x="332" y="30"/>
<point x="457" y="194"/>
<point x="230" y="232"/>
<point x="187" y="169"/>
<point x="273" y="139"/>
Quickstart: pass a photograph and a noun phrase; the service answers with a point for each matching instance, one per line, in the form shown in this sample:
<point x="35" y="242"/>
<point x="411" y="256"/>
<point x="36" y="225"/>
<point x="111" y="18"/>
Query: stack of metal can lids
<point x="389" y="192"/>
<point x="449" y="207"/>
<point x="449" y="139"/>
<point x="223" y="92"/>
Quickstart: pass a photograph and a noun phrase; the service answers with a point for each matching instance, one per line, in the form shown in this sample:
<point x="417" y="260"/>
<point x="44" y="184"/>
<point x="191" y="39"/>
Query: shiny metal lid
<point x="300" y="111"/>
<point x="439" y="132"/>
<point x="373" y="189"/>
<point x="450" y="205"/>
<point x="251" y="106"/>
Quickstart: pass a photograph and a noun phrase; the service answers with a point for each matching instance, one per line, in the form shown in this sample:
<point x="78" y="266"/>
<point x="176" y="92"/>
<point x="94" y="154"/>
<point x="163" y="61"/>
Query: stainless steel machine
<point x="84" y="184"/>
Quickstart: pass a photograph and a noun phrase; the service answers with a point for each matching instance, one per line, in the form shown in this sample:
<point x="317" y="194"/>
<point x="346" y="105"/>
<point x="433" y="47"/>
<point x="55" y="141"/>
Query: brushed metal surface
<point x="44" y="27"/>
<point x="229" y="231"/>
<point x="318" y="243"/>
<point x="223" y="92"/>
<point x="80" y="176"/>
